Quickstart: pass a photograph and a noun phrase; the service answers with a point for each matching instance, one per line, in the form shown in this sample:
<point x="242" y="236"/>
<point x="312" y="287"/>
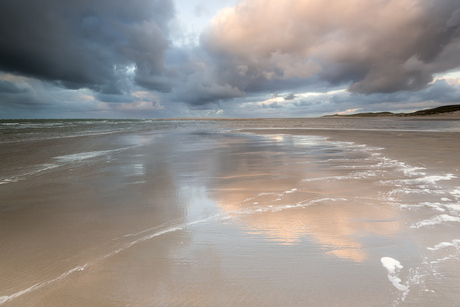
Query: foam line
<point x="439" y="219"/>
<point x="353" y="175"/>
<point x="454" y="243"/>
<point x="427" y="179"/>
<point x="150" y="229"/>
<point x="12" y="179"/>
<point x="87" y="155"/>
<point x="62" y="160"/>
<point x="61" y="137"/>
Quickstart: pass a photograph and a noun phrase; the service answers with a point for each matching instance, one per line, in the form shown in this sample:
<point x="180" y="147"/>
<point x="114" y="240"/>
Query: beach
<point x="320" y="212"/>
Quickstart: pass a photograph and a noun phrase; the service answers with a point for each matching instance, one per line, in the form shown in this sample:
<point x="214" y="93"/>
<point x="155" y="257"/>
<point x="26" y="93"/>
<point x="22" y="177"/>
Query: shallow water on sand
<point x="194" y="215"/>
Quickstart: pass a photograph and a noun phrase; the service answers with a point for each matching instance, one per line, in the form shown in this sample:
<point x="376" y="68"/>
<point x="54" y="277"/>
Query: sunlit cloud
<point x="452" y="78"/>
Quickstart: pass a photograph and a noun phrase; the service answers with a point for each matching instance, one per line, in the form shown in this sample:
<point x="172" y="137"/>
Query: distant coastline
<point x="451" y="111"/>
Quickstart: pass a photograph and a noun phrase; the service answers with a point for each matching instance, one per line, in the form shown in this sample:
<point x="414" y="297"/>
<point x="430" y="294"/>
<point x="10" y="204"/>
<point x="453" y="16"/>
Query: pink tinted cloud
<point x="376" y="45"/>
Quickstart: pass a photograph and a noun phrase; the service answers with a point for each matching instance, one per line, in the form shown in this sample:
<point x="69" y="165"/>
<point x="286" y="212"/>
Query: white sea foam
<point x="433" y="179"/>
<point x="353" y="175"/>
<point x="454" y="243"/>
<point x="170" y="224"/>
<point x="406" y="190"/>
<point x="442" y="207"/>
<point x="54" y="137"/>
<point x="439" y="219"/>
<point x="400" y="166"/>
<point x="393" y="267"/>
<point x="337" y="159"/>
<point x="453" y="208"/>
<point x="455" y="193"/>
<point x="61" y="160"/>
<point x="435" y="206"/>
<point x="438" y="261"/>
<point x="301" y="204"/>
<point x="86" y="155"/>
<point x="10" y="124"/>
<point x="16" y="178"/>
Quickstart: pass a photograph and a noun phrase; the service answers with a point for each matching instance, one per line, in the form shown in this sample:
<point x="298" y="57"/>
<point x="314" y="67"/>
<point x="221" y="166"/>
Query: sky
<point x="226" y="58"/>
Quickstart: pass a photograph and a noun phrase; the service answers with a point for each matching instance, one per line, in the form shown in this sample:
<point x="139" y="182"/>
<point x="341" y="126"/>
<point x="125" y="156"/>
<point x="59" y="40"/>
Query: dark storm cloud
<point x="87" y="43"/>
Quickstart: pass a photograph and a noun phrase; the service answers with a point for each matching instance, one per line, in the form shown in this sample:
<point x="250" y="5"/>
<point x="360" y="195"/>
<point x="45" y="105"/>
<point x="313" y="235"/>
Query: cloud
<point x="291" y="96"/>
<point x="115" y="56"/>
<point x="10" y="87"/>
<point x="205" y="86"/>
<point x="139" y="106"/>
<point x="23" y="97"/>
<point x="452" y="81"/>
<point x="87" y="43"/>
<point x="23" y="93"/>
<point x="273" y="105"/>
<point x="143" y="101"/>
<point x="376" y="46"/>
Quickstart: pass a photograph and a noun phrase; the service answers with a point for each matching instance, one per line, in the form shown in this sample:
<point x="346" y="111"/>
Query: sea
<point x="148" y="212"/>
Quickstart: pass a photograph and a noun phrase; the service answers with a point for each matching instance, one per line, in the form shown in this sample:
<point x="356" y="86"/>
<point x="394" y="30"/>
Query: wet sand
<point x="206" y="218"/>
<point x="437" y="150"/>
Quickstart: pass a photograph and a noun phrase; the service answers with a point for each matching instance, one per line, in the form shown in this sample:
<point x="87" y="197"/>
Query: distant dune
<point x="450" y="111"/>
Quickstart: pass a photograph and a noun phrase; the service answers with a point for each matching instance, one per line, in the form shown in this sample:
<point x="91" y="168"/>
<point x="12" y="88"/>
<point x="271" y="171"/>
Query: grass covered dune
<point x="451" y="111"/>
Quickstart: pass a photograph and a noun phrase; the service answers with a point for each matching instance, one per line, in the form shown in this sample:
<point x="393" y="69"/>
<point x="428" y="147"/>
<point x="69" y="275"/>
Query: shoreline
<point x="455" y="116"/>
<point x="434" y="150"/>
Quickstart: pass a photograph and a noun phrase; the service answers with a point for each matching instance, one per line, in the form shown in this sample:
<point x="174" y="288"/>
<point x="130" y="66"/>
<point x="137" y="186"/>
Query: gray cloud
<point x="88" y="43"/>
<point x="10" y="87"/>
<point x="290" y="96"/>
<point x="114" y="98"/>
<point x="201" y="89"/>
<point x="273" y="105"/>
